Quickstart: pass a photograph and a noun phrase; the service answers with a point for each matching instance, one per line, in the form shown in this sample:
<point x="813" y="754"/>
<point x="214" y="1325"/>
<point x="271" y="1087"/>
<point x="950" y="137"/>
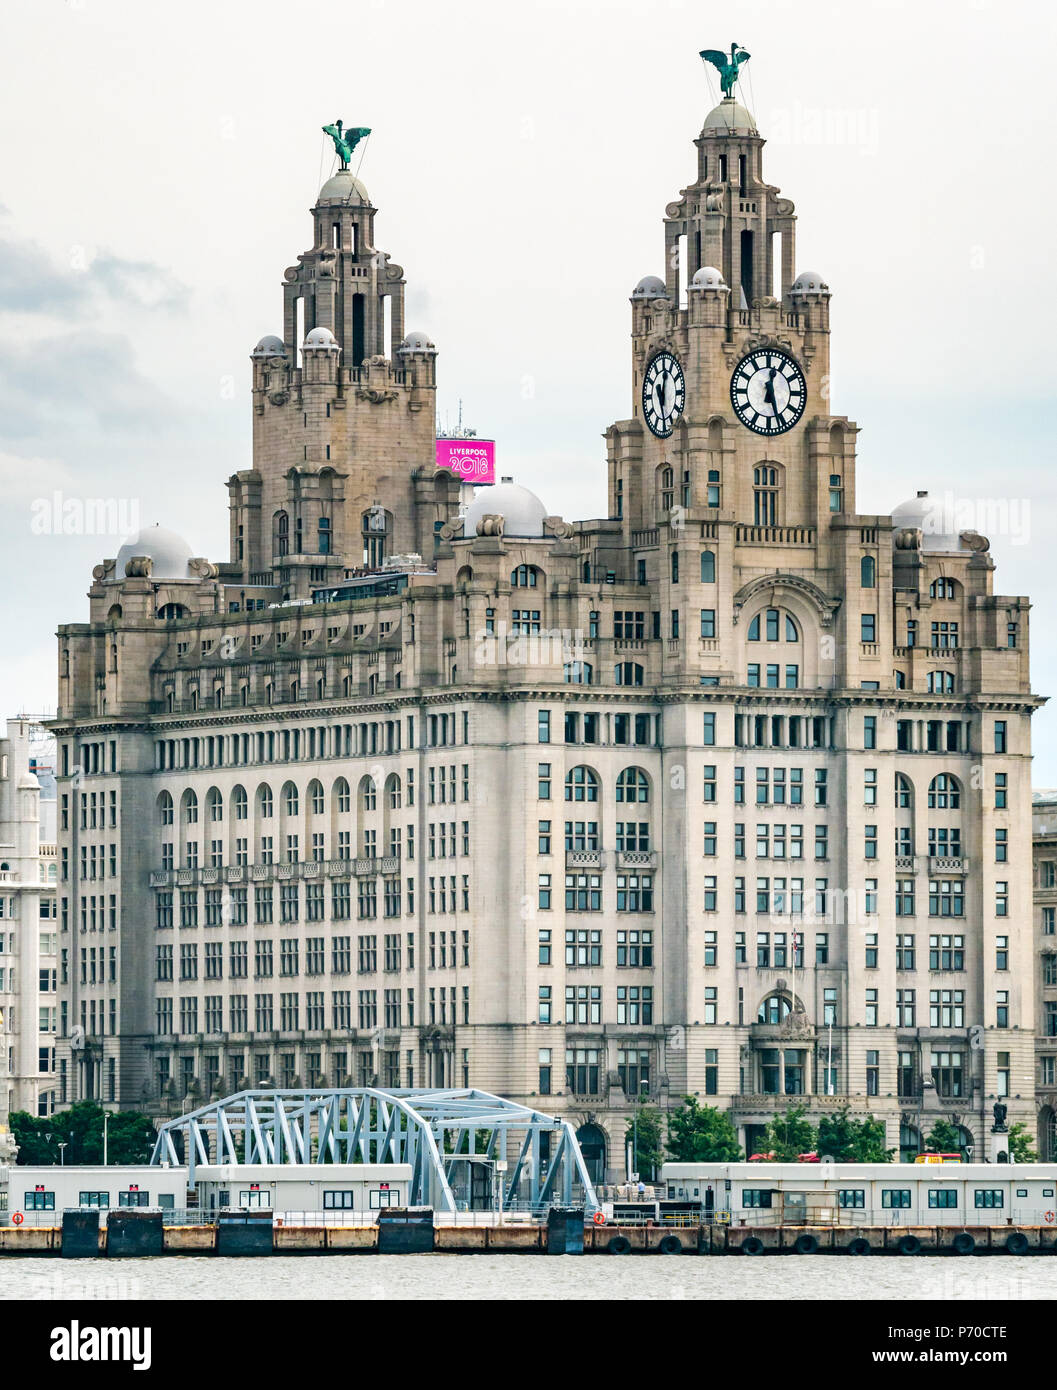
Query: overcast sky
<point x="159" y="163"/>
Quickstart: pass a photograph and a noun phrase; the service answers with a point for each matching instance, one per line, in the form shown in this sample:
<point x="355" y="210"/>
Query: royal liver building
<point x="725" y="793"/>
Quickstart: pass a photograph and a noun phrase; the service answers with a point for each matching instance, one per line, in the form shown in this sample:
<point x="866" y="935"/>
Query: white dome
<point x="171" y="553"/>
<point x="809" y="282"/>
<point x="269" y="346"/>
<point x="417" y="342"/>
<point x="930" y="517"/>
<point x="730" y="115"/>
<point x="708" y="278"/>
<point x="650" y="287"/>
<point x="343" y="188"/>
<point x="27" y="782"/>
<point x="322" y="339"/>
<point x="521" y="510"/>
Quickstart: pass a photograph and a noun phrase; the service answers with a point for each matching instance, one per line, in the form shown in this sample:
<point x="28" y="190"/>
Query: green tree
<point x="701" y="1134"/>
<point x="944" y="1138"/>
<point x="130" y="1135"/>
<point x="848" y="1140"/>
<point x="789" y="1135"/>
<point x="1021" y="1144"/>
<point x="647" y="1132"/>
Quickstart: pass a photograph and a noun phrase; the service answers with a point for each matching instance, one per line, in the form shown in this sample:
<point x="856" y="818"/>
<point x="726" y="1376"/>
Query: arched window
<point x="675" y="567"/>
<point x="282" y="533"/>
<point x="165" y="809"/>
<point x="323" y="536"/>
<point x="368" y="794"/>
<point x="945" y="793"/>
<point x="581" y="784"/>
<point x="291" y="800"/>
<point x="241" y="803"/>
<point x="392" y="792"/>
<point x="190" y="808"/>
<point x="941" y="588"/>
<point x="904" y="792"/>
<point x="633" y="785"/>
<point x="901" y="680"/>
<point x="342" y="795"/>
<point x="265" y="804"/>
<point x="868" y="572"/>
<point x="941" y="683"/>
<point x="525" y="577"/>
<point x="585" y="572"/>
<point x="172" y="612"/>
<point x="667" y="489"/>
<point x="765" y="495"/>
<point x="577" y="672"/>
<point x="315" y="797"/>
<point x="630" y="673"/>
<point x="773" y="625"/>
<point x="215" y="804"/>
<point x="708" y="567"/>
<point x="774" y="1008"/>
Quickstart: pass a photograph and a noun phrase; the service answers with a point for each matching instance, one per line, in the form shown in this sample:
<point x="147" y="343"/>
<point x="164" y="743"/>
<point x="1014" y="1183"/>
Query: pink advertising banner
<point x="473" y="460"/>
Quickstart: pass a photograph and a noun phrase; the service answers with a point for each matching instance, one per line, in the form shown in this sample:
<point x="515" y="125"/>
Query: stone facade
<point x="725" y="793"/>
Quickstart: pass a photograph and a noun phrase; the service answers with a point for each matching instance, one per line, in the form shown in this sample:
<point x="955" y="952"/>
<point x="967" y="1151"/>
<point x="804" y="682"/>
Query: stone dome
<point x="521" y="510"/>
<point x="809" y="282"/>
<point x="321" y="339"/>
<point x="417" y="342"/>
<point x="650" y="287"/>
<point x="930" y="517"/>
<point x="729" y="115"/>
<point x="269" y="346"/>
<point x="708" y="278"/>
<point x="27" y="782"/>
<point x="170" y="553"/>
<point x="343" y="188"/>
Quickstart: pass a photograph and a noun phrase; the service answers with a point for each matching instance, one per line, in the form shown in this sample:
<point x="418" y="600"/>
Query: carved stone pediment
<point x="825" y="605"/>
<point x="491" y="524"/>
<point x="139" y="567"/>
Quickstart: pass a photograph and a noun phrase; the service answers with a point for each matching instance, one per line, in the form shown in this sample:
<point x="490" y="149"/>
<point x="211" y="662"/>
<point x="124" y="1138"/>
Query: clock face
<point x="663" y="394"/>
<point x="767" y="391"/>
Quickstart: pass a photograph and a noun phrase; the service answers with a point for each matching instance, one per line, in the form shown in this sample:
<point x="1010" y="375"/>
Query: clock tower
<point x="730" y="357"/>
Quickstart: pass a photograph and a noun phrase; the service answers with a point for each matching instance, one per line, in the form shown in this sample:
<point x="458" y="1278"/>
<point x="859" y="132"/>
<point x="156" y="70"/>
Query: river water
<point x="462" y="1277"/>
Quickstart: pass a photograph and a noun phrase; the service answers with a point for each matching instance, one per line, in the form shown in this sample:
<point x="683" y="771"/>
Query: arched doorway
<point x="909" y="1143"/>
<point x="592" y="1141"/>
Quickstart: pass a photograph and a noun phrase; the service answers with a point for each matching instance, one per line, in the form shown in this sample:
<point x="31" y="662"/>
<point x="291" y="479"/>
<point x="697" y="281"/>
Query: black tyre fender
<point x="909" y="1245"/>
<point x="806" y="1245"/>
<point x="619" y="1245"/>
<point x="859" y="1246"/>
<point x="1017" y="1243"/>
<point x="671" y="1245"/>
<point x="963" y="1243"/>
<point x="752" y="1246"/>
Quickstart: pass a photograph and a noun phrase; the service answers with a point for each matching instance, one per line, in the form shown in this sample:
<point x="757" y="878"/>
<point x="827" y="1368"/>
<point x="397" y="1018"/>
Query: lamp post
<point x="62" y="1154"/>
<point x="106" y="1120"/>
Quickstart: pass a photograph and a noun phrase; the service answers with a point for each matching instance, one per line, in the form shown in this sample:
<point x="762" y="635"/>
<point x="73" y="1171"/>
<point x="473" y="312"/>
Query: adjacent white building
<point x="28" y="928"/>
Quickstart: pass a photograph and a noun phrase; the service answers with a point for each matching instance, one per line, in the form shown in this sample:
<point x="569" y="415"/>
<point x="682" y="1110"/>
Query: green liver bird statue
<point x="728" y="67"/>
<point x="345" y="141"/>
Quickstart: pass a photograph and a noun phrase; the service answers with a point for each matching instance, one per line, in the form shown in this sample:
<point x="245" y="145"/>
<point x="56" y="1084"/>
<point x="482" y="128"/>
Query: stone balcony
<point x="636" y="859"/>
<point x="261" y="873"/>
<point x="585" y="859"/>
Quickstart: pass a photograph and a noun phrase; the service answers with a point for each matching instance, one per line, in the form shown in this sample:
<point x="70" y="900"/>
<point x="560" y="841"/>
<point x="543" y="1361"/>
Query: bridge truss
<point x="525" y="1159"/>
